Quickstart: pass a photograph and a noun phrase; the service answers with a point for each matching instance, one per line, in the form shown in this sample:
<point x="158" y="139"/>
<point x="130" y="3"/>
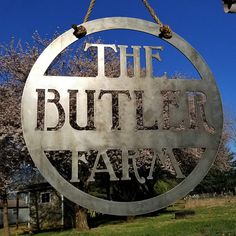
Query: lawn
<point x="209" y="220"/>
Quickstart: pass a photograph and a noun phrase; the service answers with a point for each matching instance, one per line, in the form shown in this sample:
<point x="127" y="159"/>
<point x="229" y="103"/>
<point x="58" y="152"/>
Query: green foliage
<point x="162" y="186"/>
<point x="217" y="181"/>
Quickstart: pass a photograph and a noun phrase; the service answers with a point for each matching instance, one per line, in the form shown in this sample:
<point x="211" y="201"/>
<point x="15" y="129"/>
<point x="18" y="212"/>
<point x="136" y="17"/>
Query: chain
<point x="165" y="30"/>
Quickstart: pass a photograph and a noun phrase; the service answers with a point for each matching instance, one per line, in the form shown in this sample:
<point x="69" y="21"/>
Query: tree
<point x="15" y="64"/>
<point x="222" y="176"/>
<point x="13" y="153"/>
<point x="230" y="125"/>
<point x="16" y="61"/>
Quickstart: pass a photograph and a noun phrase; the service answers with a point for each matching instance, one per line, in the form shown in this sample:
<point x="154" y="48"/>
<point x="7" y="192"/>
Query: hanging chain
<point x="165" y="30"/>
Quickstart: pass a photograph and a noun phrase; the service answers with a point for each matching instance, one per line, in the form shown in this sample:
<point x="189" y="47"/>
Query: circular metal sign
<point x="42" y="131"/>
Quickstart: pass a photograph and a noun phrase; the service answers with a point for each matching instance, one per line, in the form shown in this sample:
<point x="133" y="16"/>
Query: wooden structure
<point x="47" y="208"/>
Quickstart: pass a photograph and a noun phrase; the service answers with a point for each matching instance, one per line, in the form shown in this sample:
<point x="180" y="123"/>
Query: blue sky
<point x="202" y="23"/>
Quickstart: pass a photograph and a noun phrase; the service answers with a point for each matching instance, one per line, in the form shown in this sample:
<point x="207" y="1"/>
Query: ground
<point x="213" y="217"/>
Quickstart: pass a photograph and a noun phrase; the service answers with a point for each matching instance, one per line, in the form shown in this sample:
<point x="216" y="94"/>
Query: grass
<point x="210" y="219"/>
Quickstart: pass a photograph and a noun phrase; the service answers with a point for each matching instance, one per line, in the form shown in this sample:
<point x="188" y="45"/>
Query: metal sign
<point x="128" y="114"/>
